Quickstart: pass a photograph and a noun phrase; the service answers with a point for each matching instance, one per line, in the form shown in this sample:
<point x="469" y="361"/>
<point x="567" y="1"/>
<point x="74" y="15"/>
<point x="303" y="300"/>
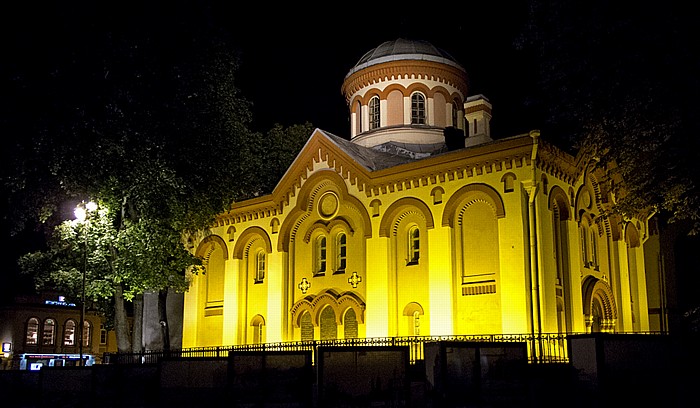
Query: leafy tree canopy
<point x="141" y="113"/>
<point x="619" y="80"/>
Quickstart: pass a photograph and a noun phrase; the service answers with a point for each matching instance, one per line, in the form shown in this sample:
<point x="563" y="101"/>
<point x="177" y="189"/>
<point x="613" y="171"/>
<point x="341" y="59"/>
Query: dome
<point x="403" y="49"/>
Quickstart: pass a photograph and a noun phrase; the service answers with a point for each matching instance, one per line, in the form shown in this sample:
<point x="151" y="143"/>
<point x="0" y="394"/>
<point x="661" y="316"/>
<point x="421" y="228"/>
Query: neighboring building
<point x="44" y="329"/>
<point x="411" y="228"/>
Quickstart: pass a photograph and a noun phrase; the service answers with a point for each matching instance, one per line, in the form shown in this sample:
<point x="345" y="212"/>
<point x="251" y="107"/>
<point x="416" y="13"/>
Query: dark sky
<point x="293" y="59"/>
<point x="304" y="59"/>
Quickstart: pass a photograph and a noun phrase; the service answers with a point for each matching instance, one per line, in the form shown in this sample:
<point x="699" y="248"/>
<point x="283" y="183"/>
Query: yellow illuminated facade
<point x="400" y="231"/>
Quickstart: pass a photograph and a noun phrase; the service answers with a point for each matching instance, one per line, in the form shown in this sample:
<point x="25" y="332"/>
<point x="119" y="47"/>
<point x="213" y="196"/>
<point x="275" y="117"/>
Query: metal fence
<point x="542" y="348"/>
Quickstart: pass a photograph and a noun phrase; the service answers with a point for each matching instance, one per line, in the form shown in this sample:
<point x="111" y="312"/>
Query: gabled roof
<point x="372" y="159"/>
<point x="374" y="172"/>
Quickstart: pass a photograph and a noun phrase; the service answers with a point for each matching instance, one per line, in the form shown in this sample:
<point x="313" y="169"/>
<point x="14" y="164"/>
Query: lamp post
<point x="82" y="215"/>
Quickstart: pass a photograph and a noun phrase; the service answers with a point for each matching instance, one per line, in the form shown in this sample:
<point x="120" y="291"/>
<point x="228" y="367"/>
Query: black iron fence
<point x="542" y="348"/>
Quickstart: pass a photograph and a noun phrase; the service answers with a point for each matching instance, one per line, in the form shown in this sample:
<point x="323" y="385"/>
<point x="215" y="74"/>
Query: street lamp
<point x="82" y="215"/>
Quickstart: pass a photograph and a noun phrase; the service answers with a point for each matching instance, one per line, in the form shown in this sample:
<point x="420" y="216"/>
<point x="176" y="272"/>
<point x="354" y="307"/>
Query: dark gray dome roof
<point x="403" y="49"/>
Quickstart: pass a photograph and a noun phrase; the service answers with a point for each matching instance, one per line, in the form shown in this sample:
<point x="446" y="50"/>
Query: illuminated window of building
<point x="417" y="109"/>
<point x="594" y="249"/>
<point x="32" y="331"/>
<point x="258" y="327"/>
<point x="259" y="266"/>
<point x="358" y="121"/>
<point x="87" y="334"/>
<point x="374" y="113"/>
<point x="307" y="327"/>
<point x="103" y="334"/>
<point x="329" y="328"/>
<point x="320" y="255"/>
<point x="350" y="324"/>
<point x="69" y="333"/>
<point x="416" y="323"/>
<point x="341" y="252"/>
<point x="49" y="333"/>
<point x="584" y="243"/>
<point x="413" y="245"/>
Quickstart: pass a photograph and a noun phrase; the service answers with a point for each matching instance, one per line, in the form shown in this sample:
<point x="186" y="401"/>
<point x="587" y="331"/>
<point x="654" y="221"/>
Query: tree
<point x="620" y="82"/>
<point x="147" y="120"/>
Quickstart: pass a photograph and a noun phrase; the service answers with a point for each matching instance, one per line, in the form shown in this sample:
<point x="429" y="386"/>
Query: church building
<point x="422" y="224"/>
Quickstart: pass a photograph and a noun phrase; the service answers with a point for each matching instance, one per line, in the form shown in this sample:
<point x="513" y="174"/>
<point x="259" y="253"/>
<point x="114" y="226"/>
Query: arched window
<point x="594" y="248"/>
<point x="69" y="333"/>
<point x="341" y="254"/>
<point x="374" y="116"/>
<point x="320" y="255"/>
<point x="49" y="334"/>
<point x="32" y="331"/>
<point x="413" y="245"/>
<point x="260" y="266"/>
<point x="416" y="323"/>
<point x="87" y="333"/>
<point x="350" y="324"/>
<point x="307" y="327"/>
<point x="584" y="243"/>
<point x="417" y="109"/>
<point x="258" y="328"/>
<point x="329" y="329"/>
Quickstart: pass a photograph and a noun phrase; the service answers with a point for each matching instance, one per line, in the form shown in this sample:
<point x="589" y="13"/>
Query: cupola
<point x="406" y="92"/>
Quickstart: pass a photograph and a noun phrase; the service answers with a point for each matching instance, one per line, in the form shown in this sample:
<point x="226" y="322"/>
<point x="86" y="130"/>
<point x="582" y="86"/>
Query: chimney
<point x="477" y="118"/>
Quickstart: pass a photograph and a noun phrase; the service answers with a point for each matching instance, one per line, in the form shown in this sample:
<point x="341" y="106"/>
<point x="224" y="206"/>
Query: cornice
<point x="394" y="70"/>
<point x="498" y="156"/>
<point x="557" y="162"/>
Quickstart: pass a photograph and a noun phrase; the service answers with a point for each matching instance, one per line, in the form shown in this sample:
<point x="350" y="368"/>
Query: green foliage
<point x="275" y="152"/>
<point x="621" y="83"/>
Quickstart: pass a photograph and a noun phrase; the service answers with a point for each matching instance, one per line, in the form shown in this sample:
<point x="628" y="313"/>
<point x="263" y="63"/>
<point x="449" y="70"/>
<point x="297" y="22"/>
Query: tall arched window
<point x="258" y="328"/>
<point x="87" y="333"/>
<point x="594" y="248"/>
<point x="350" y="324"/>
<point x="584" y="243"/>
<point x="417" y="109"/>
<point x="260" y="266"/>
<point x="374" y="116"/>
<point x="69" y="333"/>
<point x="307" y="327"/>
<point x="413" y="245"/>
<point x="341" y="254"/>
<point x="320" y="255"/>
<point x="32" y="331"/>
<point x="49" y="333"/>
<point x="416" y="323"/>
<point x="329" y="328"/>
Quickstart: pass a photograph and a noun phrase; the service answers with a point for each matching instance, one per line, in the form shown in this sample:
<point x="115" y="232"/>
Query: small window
<point x="320" y="255"/>
<point x="32" y="331"/>
<point x="49" y="335"/>
<point x="103" y="334"/>
<point x="87" y="333"/>
<point x="416" y="323"/>
<point x="413" y="245"/>
<point x="417" y="109"/>
<point x="594" y="249"/>
<point x="260" y="266"/>
<point x="341" y="254"/>
<point x="374" y="116"/>
<point x="69" y="333"/>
